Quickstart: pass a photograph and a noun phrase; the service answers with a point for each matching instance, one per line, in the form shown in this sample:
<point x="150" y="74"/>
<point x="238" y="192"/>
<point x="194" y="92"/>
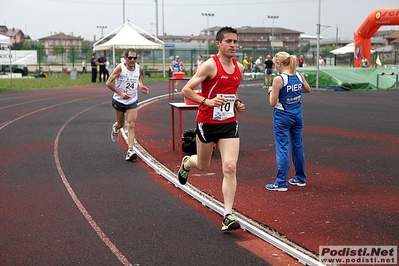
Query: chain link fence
<point x="152" y="61"/>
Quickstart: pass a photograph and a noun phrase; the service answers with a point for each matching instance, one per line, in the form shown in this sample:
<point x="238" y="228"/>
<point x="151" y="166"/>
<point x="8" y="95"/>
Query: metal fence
<point x="153" y="61"/>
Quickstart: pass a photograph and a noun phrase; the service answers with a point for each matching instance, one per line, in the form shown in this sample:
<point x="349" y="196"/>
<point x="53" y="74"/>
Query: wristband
<point x="203" y="101"/>
<point x="268" y="93"/>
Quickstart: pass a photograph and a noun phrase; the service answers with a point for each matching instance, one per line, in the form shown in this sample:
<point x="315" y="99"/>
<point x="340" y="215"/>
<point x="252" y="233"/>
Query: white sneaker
<point x="114" y="133"/>
<point x="176" y="90"/>
<point x="130" y="155"/>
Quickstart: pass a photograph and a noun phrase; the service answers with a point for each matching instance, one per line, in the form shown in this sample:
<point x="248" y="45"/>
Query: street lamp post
<point x="102" y="29"/>
<point x="272" y="18"/>
<point x="207" y="15"/>
<point x="156" y="17"/>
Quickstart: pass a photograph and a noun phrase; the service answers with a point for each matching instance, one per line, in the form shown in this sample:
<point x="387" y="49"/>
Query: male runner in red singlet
<point x="216" y="118"/>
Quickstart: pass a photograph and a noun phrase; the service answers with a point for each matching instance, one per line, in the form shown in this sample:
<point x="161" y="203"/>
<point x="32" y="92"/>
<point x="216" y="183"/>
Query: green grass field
<point x="57" y="81"/>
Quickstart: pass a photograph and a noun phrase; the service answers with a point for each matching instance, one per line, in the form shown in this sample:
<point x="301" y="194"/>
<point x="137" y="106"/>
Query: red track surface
<point x="351" y="147"/>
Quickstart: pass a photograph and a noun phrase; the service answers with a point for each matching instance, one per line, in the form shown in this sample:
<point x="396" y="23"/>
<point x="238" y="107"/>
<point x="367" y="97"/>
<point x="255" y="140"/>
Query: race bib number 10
<point x="226" y="110"/>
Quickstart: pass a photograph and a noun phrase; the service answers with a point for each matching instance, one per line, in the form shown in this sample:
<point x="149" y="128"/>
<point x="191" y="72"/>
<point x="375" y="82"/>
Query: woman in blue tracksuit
<point x="286" y="98"/>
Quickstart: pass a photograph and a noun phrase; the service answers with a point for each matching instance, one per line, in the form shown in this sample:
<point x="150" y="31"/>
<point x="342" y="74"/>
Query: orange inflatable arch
<point x="373" y="22"/>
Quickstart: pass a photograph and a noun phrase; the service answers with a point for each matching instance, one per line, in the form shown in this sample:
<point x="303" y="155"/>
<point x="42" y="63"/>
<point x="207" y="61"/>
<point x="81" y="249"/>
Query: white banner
<point x="18" y="57"/>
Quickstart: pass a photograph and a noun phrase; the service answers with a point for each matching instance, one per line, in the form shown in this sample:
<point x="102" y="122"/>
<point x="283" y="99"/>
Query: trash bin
<point x="74" y="73"/>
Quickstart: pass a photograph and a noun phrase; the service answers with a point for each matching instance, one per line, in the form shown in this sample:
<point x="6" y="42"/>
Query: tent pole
<point x="9" y="53"/>
<point x="163" y="59"/>
<point x="113" y="52"/>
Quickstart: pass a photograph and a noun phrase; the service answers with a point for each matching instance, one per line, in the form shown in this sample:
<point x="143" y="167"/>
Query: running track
<point x="67" y="197"/>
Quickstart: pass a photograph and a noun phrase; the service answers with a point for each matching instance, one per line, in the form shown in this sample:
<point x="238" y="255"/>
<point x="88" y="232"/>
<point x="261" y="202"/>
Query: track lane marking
<point x="75" y="198"/>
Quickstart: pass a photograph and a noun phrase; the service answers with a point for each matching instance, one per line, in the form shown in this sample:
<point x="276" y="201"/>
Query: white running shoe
<point x="130" y="155"/>
<point x="114" y="133"/>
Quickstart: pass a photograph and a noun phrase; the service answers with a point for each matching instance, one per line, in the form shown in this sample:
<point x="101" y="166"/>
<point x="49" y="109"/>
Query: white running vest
<point x="128" y="81"/>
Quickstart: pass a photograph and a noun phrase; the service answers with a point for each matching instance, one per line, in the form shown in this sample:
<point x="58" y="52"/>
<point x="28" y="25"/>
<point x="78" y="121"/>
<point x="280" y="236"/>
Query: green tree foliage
<point x="213" y="49"/>
<point x="87" y="49"/>
<point x="72" y="53"/>
<point x="327" y="49"/>
<point x="27" y="45"/>
<point x="59" y="50"/>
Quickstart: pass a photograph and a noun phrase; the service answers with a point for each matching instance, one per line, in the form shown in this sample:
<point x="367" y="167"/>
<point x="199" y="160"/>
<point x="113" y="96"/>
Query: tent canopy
<point x="4" y="40"/>
<point x="347" y="49"/>
<point x="127" y="37"/>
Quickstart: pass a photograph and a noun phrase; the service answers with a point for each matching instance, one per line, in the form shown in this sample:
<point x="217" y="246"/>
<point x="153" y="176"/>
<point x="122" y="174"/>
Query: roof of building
<point x="9" y="32"/>
<point x="61" y="35"/>
<point x="277" y="30"/>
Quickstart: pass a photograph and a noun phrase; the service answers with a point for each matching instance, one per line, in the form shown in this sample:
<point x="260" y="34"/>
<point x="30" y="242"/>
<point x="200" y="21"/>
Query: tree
<point x="72" y="53"/>
<point x="27" y="45"/>
<point x="59" y="50"/>
<point x="213" y="49"/>
<point x="86" y="48"/>
<point x="327" y="49"/>
<point x="304" y="49"/>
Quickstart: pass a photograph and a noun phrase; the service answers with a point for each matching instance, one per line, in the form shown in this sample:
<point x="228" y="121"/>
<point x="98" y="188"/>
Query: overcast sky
<point x="38" y="18"/>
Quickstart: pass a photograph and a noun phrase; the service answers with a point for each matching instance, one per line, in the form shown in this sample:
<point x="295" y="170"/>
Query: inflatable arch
<point x="372" y="23"/>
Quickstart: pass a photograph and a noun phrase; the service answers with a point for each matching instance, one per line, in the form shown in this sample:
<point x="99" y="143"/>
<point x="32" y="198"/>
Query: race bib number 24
<point x="131" y="86"/>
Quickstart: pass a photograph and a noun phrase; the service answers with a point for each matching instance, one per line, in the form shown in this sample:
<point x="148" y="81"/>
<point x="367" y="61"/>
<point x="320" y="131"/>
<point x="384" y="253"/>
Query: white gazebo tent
<point x="347" y="49"/>
<point x="5" y="40"/>
<point x="127" y="36"/>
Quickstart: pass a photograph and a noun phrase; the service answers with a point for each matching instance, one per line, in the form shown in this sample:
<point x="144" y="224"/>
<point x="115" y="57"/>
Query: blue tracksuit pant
<point x="288" y="126"/>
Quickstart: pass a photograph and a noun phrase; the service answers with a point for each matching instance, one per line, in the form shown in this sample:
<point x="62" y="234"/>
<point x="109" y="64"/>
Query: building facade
<point x="16" y="35"/>
<point x="60" y="38"/>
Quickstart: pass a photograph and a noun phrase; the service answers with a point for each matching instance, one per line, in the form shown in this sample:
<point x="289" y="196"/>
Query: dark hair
<point x="127" y="51"/>
<point x="220" y="34"/>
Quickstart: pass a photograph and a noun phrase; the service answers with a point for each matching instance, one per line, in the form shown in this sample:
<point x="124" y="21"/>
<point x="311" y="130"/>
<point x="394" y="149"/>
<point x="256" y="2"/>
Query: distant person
<point x="322" y="63"/>
<point x="216" y="121"/>
<point x="84" y="67"/>
<point x="199" y="60"/>
<point x="301" y="61"/>
<point x="94" y="64"/>
<point x="106" y="70"/>
<point x="250" y="64"/>
<point x="129" y="81"/>
<point x="176" y="66"/>
<point x="365" y="63"/>
<point x="258" y="63"/>
<point x="269" y="65"/>
<point x="286" y="98"/>
<point x="101" y="63"/>
<point x="245" y="63"/>
<point x="198" y="64"/>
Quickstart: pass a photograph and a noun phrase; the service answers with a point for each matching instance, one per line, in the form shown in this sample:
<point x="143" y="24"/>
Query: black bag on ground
<point x="188" y="144"/>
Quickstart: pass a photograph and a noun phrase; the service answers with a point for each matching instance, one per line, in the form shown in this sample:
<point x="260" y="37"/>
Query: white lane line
<point x="43" y="109"/>
<point x="78" y="203"/>
<point x="247" y="223"/>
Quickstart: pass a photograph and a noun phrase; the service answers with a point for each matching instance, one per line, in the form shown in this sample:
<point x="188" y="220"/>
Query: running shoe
<point x="275" y="187"/>
<point x="130" y="155"/>
<point x="114" y="133"/>
<point x="296" y="182"/>
<point x="230" y="223"/>
<point x="183" y="174"/>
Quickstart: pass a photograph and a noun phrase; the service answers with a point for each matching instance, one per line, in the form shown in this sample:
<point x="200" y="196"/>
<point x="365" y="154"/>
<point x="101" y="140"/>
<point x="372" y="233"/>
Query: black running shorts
<point x="123" y="107"/>
<point x="214" y="132"/>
